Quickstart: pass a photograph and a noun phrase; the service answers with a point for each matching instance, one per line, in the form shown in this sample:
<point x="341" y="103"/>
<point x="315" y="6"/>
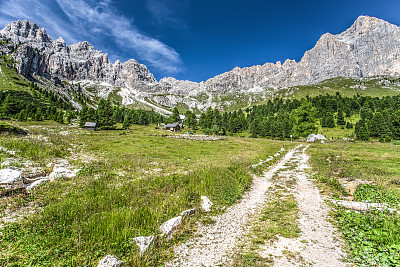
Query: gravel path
<point x="317" y="244"/>
<point x="217" y="242"/>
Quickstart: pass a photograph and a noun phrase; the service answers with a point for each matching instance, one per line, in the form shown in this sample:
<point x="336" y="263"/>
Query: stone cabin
<point x="174" y="127"/>
<point x="90" y="126"/>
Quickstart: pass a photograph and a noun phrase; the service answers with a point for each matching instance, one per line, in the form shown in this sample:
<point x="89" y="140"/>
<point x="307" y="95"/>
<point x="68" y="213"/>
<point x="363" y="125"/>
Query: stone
<point x="170" y="226"/>
<point x="35" y="184"/>
<point x="10" y="180"/>
<point x="315" y="137"/>
<point x="110" y="261"/>
<point x="206" y="204"/>
<point x="187" y="213"/>
<point x="59" y="172"/>
<point x="143" y="242"/>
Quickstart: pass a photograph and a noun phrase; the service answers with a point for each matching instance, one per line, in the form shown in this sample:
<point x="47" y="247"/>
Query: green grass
<point x="136" y="180"/>
<point x="373" y="237"/>
<point x="278" y="217"/>
<point x="345" y="86"/>
<point x="10" y="79"/>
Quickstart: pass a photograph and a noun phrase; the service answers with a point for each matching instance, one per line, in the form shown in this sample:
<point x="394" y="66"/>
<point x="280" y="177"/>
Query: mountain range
<point x="369" y="48"/>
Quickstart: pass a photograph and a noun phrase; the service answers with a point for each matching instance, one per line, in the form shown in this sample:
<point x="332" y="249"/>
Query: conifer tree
<point x="340" y="118"/>
<point x="304" y="120"/>
<point x="361" y="131"/>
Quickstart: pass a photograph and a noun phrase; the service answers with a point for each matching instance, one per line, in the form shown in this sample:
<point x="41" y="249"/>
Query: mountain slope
<point x="369" y="48"/>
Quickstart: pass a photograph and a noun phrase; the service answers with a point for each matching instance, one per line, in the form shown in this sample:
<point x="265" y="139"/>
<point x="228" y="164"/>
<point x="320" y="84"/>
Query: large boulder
<point x="315" y="137"/>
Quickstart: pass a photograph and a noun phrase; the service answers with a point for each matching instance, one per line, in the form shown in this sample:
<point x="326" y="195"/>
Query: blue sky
<point x="196" y="39"/>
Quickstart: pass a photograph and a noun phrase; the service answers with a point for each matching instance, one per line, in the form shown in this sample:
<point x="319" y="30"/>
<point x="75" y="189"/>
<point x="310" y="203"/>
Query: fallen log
<point x="361" y="206"/>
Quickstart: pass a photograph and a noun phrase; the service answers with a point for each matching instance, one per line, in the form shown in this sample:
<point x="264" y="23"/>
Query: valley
<point x="225" y="172"/>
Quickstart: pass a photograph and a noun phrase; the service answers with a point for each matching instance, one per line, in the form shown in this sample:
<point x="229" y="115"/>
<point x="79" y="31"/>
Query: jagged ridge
<point x="370" y="47"/>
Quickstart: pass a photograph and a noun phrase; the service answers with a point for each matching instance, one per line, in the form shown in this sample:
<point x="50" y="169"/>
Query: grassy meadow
<point x="130" y="182"/>
<point x="363" y="172"/>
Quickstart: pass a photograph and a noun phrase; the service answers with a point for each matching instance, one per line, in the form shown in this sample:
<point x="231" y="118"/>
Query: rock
<point x="206" y="204"/>
<point x="361" y="206"/>
<point x="10" y="180"/>
<point x="59" y="172"/>
<point x="143" y="242"/>
<point x="35" y="184"/>
<point x="170" y="226"/>
<point x="315" y="137"/>
<point x="110" y="261"/>
<point x="189" y="212"/>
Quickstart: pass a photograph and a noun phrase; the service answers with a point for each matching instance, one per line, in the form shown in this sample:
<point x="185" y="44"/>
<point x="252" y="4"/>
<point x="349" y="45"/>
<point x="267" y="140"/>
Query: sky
<point x="196" y="39"/>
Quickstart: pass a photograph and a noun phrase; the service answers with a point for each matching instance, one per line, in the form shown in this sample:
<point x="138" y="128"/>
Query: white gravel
<point x="217" y="242"/>
<point x="317" y="244"/>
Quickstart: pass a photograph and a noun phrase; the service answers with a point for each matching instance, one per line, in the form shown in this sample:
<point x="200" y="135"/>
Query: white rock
<point x="35" y="184"/>
<point x="59" y="172"/>
<point x="315" y="137"/>
<point x="143" y="242"/>
<point x="206" y="203"/>
<point x="170" y="226"/>
<point x="110" y="261"/>
<point x="11" y="179"/>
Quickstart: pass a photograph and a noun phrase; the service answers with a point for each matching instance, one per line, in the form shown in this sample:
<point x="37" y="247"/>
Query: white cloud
<point x="92" y="20"/>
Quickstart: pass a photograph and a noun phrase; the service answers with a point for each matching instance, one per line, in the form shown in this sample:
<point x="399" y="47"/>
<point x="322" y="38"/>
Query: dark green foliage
<point x="6" y="128"/>
<point x="328" y="121"/>
<point x="191" y="119"/>
<point x="304" y="118"/>
<point x="349" y="125"/>
<point x="362" y="131"/>
<point x="38" y="105"/>
<point x="175" y="117"/>
<point x="374" y="236"/>
<point x="340" y="118"/>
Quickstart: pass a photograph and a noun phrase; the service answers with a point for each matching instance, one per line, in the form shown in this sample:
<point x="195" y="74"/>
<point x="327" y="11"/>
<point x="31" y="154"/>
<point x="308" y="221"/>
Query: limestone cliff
<point x="370" y="47"/>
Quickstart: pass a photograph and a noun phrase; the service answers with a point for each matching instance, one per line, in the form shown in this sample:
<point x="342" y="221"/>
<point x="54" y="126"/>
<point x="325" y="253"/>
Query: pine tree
<point x="361" y="131"/>
<point x="349" y="125"/>
<point x="340" y="118"/>
<point x="127" y="122"/>
<point x="304" y="118"/>
<point x="175" y="117"/>
<point x="327" y="121"/>
<point x="60" y="117"/>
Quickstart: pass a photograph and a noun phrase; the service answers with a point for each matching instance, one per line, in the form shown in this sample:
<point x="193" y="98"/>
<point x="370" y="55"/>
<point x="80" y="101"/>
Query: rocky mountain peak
<point x="23" y="31"/>
<point x="369" y="47"/>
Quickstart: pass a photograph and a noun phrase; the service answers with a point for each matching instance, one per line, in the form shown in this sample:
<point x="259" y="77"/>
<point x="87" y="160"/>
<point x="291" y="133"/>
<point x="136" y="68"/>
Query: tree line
<point x="106" y="115"/>
<point x="279" y="118"/>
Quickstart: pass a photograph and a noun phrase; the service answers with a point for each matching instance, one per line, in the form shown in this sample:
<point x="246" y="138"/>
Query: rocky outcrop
<point x="23" y="31"/>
